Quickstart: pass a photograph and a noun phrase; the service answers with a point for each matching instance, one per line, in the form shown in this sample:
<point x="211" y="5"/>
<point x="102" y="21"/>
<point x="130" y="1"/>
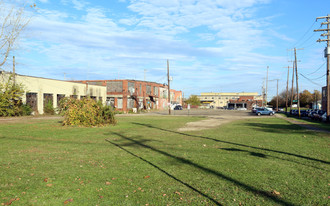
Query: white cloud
<point x="205" y="40"/>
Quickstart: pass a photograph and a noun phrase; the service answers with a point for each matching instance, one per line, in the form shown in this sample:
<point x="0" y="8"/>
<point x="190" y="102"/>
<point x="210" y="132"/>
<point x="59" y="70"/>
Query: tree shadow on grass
<point x="246" y="187"/>
<point x="256" y="154"/>
<point x="261" y="155"/>
<point x="163" y="171"/>
<point x="277" y="128"/>
<point x="234" y="143"/>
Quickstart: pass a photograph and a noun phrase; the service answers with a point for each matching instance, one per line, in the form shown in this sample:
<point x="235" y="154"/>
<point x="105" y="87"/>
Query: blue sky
<point x="212" y="45"/>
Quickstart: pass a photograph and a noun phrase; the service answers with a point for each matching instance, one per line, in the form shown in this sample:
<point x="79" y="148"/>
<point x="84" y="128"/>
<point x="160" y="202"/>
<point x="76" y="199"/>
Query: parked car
<point x="318" y="115"/>
<point x="324" y="117"/>
<point x="264" y="111"/>
<point x="242" y="108"/>
<point x="303" y="113"/>
<point x="254" y="109"/>
<point x="178" y="107"/>
<point x="311" y="114"/>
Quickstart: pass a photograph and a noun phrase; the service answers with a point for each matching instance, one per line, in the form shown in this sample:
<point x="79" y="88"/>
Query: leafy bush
<point x="11" y="98"/>
<point x="49" y="108"/>
<point x="86" y="112"/>
<point x="26" y="110"/>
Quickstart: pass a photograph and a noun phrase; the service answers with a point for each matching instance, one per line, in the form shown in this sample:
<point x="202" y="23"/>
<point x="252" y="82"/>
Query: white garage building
<point x="39" y="90"/>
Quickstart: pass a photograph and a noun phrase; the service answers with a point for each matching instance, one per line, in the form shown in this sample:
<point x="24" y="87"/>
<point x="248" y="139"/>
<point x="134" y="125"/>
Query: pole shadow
<point x="261" y="155"/>
<point x="246" y="187"/>
<point x="163" y="171"/>
<point x="233" y="143"/>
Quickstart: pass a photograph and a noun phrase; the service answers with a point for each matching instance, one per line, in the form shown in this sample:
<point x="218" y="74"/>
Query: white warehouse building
<point x="39" y="91"/>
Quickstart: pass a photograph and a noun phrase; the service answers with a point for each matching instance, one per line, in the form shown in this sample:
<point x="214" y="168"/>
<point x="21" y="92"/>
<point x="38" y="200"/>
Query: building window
<point x="148" y="89"/>
<point x="140" y="89"/>
<point x="114" y="86"/>
<point x="59" y="98"/>
<point x="48" y="100"/>
<point x="120" y="103"/>
<point x="130" y="103"/>
<point x="156" y="91"/>
<point x="131" y="89"/>
<point x="32" y="100"/>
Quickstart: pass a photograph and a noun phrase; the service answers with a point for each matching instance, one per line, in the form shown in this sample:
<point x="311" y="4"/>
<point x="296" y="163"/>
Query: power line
<point x="300" y="45"/>
<point x="305" y="34"/>
<point x="319" y="77"/>
<point x="310" y="80"/>
<point x="317" y="69"/>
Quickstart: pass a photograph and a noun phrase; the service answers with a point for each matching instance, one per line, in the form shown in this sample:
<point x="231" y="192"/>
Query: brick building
<point x="244" y="102"/>
<point x="125" y="95"/>
<point x="222" y="99"/>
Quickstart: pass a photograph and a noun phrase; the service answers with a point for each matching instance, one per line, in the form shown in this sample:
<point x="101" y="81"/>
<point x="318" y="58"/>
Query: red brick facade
<point x="125" y="95"/>
<point x="245" y="102"/>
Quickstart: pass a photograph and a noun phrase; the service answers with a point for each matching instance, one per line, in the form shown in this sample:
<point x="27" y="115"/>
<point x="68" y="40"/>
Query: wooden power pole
<point x="169" y="90"/>
<point x="327" y="55"/>
<point x="292" y="86"/>
<point x="287" y="91"/>
<point x="295" y="62"/>
<point x="267" y="85"/>
<point x="277" y="97"/>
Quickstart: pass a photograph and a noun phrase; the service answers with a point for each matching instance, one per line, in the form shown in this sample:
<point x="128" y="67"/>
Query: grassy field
<point x="145" y="161"/>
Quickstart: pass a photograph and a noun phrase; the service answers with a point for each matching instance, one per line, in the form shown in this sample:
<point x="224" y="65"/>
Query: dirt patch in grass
<point x="27" y="119"/>
<point x="211" y="122"/>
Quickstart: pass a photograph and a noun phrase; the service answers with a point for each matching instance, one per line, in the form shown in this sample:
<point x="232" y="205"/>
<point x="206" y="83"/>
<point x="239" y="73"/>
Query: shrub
<point x="86" y="112"/>
<point x="26" y="110"/>
<point x="49" y="108"/>
<point x="11" y="98"/>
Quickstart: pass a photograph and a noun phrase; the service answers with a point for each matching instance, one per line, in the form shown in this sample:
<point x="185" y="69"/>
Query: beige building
<point x="39" y="91"/>
<point x="217" y="100"/>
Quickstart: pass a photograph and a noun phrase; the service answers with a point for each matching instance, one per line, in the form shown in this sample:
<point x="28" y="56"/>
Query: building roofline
<point x="5" y="72"/>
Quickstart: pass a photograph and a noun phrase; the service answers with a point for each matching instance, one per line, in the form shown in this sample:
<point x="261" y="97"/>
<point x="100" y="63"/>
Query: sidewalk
<point x="303" y="124"/>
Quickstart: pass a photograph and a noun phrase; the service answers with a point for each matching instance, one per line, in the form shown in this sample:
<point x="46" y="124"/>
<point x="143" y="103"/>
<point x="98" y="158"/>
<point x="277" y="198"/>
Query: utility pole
<point x="169" y="90"/>
<point x="292" y="86"/>
<point x="327" y="55"/>
<point x="145" y="74"/>
<point x="14" y="72"/>
<point x="295" y="60"/>
<point x="267" y="85"/>
<point x="287" y="91"/>
<point x="295" y="63"/>
<point x="263" y="93"/>
<point x="277" y="97"/>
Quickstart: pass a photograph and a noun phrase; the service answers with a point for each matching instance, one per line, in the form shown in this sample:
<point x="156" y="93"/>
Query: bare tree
<point x="13" y="20"/>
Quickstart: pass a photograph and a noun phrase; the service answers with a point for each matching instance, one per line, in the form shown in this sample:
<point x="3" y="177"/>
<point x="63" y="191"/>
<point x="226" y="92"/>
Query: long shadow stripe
<point x="188" y="162"/>
<point x="233" y="143"/>
<point x="168" y="174"/>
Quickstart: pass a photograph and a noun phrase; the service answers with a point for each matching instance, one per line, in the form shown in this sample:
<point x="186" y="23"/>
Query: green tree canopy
<point x="193" y="100"/>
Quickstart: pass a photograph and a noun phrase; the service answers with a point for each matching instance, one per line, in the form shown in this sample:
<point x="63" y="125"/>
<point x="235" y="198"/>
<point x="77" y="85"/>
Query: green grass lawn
<point x="320" y="124"/>
<point x="143" y="160"/>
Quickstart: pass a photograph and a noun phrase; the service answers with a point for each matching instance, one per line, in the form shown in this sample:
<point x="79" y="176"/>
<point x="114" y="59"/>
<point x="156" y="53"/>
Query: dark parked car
<point x="178" y="107"/>
<point x="303" y="113"/>
<point x="318" y="115"/>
